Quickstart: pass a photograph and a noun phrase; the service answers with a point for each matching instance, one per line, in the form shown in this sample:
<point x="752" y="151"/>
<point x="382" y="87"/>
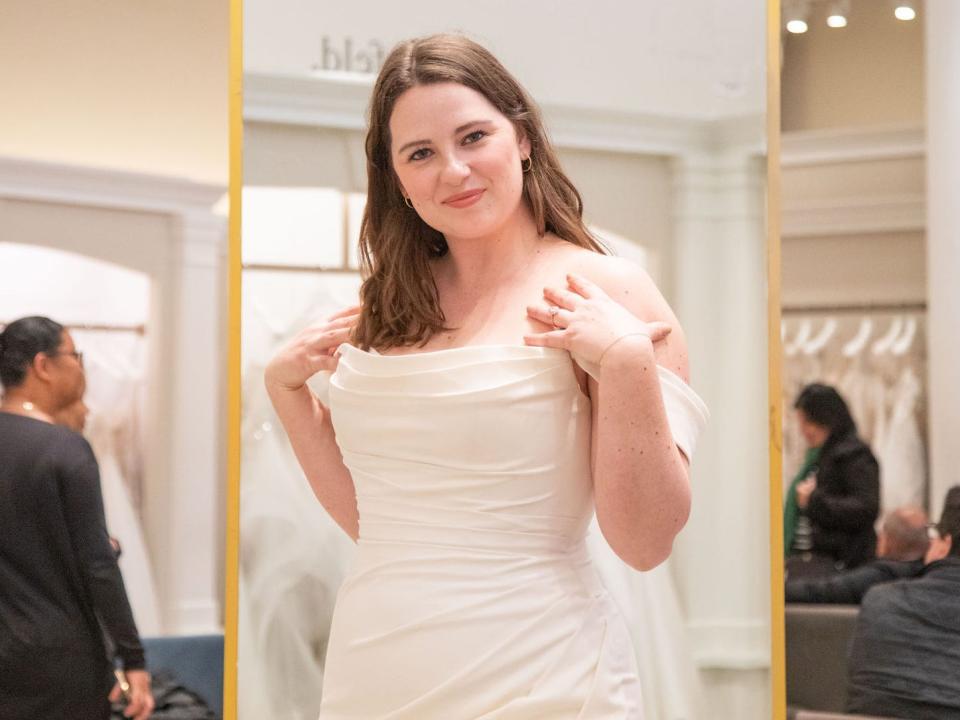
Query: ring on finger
<point x="554" y="311"/>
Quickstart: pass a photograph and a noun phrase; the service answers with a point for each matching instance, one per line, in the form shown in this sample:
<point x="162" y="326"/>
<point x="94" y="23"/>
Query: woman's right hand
<point x="805" y="489"/>
<point x="311" y="351"/>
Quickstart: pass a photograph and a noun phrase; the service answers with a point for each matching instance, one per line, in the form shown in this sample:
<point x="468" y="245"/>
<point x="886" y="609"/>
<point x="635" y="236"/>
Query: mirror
<point x="657" y="115"/>
<point x="866" y="337"/>
<point x="112" y="159"/>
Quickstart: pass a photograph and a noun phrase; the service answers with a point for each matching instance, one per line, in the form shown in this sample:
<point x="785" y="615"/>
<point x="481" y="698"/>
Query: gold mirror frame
<point x="778" y="683"/>
<point x="234" y="401"/>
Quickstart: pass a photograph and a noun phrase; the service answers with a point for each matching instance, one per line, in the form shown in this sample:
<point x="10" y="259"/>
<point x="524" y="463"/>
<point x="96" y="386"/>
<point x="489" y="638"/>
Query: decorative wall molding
<point x="203" y="235"/>
<point x="333" y="101"/>
<point x="731" y="644"/>
<point x="823" y="147"/>
<point x="77" y="185"/>
<point x="856" y="215"/>
<point x="198" y="617"/>
<point x="183" y="458"/>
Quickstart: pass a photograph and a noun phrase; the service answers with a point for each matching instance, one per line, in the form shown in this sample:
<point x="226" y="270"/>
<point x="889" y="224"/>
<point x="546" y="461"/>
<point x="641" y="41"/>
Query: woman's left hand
<point x="587" y="320"/>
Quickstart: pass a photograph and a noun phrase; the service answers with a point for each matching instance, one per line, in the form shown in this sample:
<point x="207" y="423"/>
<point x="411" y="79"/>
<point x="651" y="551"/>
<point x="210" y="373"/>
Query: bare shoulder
<point x="629" y="284"/>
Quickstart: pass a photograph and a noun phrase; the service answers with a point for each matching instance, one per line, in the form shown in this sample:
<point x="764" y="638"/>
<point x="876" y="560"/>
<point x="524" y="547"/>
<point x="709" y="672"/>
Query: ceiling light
<point x="795" y="14"/>
<point x="905" y="10"/>
<point x="837" y="14"/>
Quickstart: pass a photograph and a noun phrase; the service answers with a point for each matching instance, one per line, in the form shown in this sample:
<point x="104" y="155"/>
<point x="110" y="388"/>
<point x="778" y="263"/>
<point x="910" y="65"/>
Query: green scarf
<point x="790" y="510"/>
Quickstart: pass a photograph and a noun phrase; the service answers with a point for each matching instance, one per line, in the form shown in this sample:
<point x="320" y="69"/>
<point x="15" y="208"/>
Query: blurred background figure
<point x="60" y="586"/>
<point x="905" y="655"/>
<point x="901" y="546"/>
<point x="834" y="499"/>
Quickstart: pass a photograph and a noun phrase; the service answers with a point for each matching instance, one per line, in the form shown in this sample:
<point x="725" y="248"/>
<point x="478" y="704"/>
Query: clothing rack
<point x="100" y="327"/>
<point x="854" y="308"/>
<point x="268" y="267"/>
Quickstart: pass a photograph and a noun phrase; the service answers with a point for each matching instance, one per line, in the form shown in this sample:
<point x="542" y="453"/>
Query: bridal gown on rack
<point x="472" y="594"/>
<point x="293" y="556"/>
<point x="113" y="395"/>
<point x="901" y="453"/>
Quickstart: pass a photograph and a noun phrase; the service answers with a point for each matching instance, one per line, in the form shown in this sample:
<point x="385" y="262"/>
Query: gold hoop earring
<point x="408" y="202"/>
<point x="529" y="164"/>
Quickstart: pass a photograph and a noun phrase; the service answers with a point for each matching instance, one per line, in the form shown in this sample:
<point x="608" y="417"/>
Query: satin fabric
<point x="472" y="594"/>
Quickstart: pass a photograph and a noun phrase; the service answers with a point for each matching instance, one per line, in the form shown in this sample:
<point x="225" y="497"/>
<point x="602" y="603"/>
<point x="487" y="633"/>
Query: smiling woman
<point x="473" y="593"/>
<point x="495" y="413"/>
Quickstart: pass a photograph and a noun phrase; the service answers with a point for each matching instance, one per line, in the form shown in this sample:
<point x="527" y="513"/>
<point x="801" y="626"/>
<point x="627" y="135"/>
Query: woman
<point x="834" y="500"/>
<point x="60" y="586"/>
<point x="467" y="430"/>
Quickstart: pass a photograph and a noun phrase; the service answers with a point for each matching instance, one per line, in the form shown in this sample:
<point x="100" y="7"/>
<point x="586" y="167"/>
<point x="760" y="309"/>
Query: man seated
<point x="905" y="654"/>
<point x="901" y="546"/>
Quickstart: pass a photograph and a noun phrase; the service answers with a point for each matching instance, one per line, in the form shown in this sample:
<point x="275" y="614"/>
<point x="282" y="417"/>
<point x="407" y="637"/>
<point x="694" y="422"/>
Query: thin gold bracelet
<point x="604" y="353"/>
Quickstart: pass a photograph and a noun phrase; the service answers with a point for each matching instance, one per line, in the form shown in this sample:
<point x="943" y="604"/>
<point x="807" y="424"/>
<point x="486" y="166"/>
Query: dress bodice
<point x="480" y="445"/>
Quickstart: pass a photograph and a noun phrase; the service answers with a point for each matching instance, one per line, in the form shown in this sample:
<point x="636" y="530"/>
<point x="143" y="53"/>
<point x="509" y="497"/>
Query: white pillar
<point x="193" y="569"/>
<point x="722" y="557"/>
<point x="943" y="245"/>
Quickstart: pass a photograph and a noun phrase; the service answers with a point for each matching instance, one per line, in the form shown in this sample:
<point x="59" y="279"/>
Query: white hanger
<point x="803" y="334"/>
<point x="903" y="343"/>
<point x="859" y="341"/>
<point x="883" y="344"/>
<point x="819" y="341"/>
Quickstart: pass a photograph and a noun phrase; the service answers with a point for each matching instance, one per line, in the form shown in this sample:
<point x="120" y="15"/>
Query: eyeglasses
<point x="77" y="355"/>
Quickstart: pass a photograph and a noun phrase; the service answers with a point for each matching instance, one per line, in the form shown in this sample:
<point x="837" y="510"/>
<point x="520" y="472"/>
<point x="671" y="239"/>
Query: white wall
<point x="108" y="83"/>
<point x="698" y="58"/>
<point x="164" y="229"/>
<point x="943" y="245"/>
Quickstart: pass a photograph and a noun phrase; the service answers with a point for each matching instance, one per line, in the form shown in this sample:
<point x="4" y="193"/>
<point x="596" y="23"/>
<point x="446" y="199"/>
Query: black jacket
<point x="905" y="654"/>
<point x="59" y="579"/>
<point x="846" y="503"/>
<point x="849" y="587"/>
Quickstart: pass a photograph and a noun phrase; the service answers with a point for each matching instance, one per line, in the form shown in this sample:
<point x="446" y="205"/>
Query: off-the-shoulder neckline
<point x="494" y="346"/>
<point x="460" y="348"/>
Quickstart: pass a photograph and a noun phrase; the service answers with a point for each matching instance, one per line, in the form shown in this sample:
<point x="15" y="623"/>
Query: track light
<point x="905" y="10"/>
<point x="795" y="13"/>
<point x="838" y="12"/>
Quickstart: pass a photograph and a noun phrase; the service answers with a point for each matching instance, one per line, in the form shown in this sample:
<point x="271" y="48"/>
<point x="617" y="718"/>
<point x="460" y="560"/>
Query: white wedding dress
<point x="901" y="452"/>
<point x="473" y="594"/>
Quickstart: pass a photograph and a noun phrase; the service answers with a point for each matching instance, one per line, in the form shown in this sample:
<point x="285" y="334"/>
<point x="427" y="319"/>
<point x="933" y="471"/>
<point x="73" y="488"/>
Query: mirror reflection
<point x="670" y="168"/>
<point x="870" y="515"/>
<point x="112" y="488"/>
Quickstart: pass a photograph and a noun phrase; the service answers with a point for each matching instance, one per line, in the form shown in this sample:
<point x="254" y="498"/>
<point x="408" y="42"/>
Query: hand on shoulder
<point x="608" y="297"/>
<point x="311" y="351"/>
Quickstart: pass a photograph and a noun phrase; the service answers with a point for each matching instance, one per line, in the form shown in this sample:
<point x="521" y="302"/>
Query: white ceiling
<point x="679" y="58"/>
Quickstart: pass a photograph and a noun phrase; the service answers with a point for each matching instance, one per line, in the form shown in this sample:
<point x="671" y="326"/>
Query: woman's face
<point x="815" y="435"/>
<point x="458" y="159"/>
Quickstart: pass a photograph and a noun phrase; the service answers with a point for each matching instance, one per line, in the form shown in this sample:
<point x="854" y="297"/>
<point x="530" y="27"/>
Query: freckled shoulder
<point x="630" y="285"/>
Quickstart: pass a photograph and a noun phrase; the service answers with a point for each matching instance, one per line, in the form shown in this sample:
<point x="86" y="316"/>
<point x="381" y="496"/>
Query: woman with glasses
<point x="60" y="586"/>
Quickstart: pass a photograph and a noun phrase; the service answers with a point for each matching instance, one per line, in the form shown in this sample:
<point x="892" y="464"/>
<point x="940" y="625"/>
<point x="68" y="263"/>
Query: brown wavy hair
<point x="399" y="295"/>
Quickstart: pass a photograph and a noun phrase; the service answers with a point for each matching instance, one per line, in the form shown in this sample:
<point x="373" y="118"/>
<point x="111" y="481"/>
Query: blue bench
<point x="196" y="661"/>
